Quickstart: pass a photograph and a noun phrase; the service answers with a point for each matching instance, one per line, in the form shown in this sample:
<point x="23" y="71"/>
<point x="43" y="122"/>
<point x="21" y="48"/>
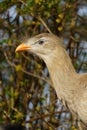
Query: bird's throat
<point x="61" y="71"/>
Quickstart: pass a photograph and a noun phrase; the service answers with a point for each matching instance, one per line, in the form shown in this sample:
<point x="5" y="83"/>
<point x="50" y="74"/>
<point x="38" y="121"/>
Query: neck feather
<point x="59" y="62"/>
<point x="61" y="70"/>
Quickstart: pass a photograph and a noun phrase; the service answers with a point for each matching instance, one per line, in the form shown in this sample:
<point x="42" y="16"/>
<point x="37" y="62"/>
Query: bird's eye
<point x="41" y="42"/>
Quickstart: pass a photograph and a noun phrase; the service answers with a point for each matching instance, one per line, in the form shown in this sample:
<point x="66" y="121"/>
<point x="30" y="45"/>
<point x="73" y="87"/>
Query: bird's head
<point x="42" y="45"/>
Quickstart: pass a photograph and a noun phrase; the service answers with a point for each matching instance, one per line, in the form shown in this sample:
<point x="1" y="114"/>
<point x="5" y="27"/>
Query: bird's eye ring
<point x="41" y="42"/>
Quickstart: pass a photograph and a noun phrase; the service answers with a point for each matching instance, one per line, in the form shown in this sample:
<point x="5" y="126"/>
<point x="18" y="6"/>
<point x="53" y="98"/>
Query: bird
<point x="70" y="86"/>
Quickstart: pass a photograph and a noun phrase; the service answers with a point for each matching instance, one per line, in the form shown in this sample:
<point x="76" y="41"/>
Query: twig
<point x="42" y="72"/>
<point x="41" y="20"/>
<point x="23" y="2"/>
<point x="43" y="116"/>
<point x="24" y="71"/>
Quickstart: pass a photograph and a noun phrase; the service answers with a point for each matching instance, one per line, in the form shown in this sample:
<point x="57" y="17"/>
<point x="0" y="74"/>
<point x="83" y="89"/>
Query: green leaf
<point x="30" y="2"/>
<point x="18" y="67"/>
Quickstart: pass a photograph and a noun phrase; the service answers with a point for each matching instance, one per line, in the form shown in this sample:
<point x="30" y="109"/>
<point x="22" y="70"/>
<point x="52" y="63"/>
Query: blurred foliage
<point x="26" y="96"/>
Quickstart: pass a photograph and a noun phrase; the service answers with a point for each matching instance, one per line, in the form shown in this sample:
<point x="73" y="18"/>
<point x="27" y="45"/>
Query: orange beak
<point x="22" y="47"/>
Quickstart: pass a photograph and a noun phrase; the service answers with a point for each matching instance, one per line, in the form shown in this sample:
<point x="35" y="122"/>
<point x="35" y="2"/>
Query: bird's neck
<point x="61" y="70"/>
